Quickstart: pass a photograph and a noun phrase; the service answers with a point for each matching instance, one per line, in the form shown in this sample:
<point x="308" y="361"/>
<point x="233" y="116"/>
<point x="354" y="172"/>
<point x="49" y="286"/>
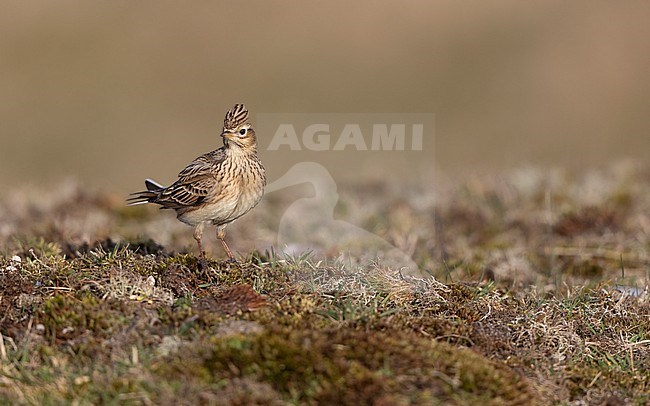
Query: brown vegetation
<point x="533" y="291"/>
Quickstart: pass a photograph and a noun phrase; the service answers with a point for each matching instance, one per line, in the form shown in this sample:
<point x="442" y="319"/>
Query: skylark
<point x="218" y="187"/>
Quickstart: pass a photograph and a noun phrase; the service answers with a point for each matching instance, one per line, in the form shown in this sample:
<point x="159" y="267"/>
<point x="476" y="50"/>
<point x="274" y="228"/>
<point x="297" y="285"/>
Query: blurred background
<point x="113" y="92"/>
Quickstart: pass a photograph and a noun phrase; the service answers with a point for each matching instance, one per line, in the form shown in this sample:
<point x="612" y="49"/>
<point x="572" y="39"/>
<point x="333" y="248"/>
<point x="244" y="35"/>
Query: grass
<point x="523" y="301"/>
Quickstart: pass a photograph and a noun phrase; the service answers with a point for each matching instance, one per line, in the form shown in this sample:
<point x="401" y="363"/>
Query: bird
<point x="217" y="187"/>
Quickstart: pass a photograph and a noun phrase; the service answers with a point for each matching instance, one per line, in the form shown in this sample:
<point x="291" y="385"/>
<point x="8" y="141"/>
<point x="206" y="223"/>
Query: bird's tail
<point x="153" y="185"/>
<point x="146" y="196"/>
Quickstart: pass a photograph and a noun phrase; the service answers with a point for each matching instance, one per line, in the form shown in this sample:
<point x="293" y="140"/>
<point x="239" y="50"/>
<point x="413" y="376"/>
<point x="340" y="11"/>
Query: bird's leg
<point x="198" y="234"/>
<point x="221" y="235"/>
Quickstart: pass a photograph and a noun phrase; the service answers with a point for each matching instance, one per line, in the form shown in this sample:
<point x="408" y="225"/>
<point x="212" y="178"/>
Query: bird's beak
<point x="230" y="137"/>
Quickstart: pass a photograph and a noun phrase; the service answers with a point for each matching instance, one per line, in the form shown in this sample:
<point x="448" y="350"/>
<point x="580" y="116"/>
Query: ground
<point x="532" y="290"/>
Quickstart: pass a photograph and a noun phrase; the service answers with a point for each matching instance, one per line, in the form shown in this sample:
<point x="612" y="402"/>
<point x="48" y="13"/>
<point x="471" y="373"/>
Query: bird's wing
<point x="196" y="182"/>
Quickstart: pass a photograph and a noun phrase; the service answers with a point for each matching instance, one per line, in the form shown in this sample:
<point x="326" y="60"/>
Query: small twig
<point x="639" y="343"/>
<point x="593" y="381"/>
<point x="58" y="288"/>
<point x="453" y="382"/>
<point x="135" y="358"/>
<point x="597" y="253"/>
<point x="488" y="313"/>
<point x="3" y="350"/>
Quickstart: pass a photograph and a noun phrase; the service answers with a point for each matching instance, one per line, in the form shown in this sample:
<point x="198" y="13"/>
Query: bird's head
<point x="237" y="131"/>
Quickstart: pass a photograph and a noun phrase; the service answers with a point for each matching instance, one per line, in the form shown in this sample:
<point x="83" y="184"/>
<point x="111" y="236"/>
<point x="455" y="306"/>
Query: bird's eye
<point x="242" y="131"/>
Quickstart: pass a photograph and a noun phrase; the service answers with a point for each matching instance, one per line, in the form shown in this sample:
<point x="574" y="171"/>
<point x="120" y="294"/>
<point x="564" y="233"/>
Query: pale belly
<point x="225" y="210"/>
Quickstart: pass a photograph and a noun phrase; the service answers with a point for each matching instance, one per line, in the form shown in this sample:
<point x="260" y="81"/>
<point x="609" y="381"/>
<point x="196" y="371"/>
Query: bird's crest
<point x="235" y="117"/>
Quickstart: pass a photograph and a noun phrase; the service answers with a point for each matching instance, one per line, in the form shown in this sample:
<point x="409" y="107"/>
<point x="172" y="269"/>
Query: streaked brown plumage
<point x="218" y="187"/>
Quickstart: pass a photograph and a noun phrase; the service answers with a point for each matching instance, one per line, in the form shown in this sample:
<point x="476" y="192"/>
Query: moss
<point x="352" y="367"/>
<point x="67" y="316"/>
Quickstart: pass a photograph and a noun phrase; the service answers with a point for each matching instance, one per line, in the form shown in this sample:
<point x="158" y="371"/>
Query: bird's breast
<point x="240" y="188"/>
